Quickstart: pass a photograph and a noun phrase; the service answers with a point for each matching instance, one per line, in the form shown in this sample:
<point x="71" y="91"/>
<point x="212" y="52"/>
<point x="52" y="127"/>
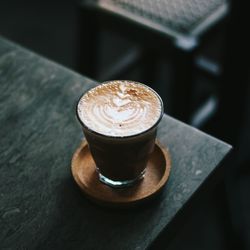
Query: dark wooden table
<point x="40" y="205"/>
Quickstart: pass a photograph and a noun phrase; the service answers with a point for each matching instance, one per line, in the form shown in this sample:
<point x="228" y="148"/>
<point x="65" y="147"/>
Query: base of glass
<point x="120" y="184"/>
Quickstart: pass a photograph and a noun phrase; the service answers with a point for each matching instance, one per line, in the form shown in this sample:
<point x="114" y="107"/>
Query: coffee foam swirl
<point x="119" y="108"/>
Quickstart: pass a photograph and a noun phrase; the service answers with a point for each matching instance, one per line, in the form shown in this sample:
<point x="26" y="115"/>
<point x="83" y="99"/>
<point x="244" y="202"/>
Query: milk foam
<point x="119" y="108"/>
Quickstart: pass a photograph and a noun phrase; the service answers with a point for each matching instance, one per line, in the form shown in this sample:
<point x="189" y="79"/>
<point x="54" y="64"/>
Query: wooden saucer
<point x="84" y="172"/>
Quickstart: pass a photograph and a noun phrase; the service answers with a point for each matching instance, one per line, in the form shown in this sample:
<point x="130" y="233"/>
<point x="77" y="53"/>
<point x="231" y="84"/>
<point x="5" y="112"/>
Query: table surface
<point x="40" y="205"/>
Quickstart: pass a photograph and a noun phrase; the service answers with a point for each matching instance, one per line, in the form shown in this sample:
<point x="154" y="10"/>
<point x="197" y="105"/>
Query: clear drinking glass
<point x="121" y="160"/>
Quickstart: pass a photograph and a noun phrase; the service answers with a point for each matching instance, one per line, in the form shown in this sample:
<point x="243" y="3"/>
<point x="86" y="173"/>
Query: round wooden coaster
<point x="85" y="174"/>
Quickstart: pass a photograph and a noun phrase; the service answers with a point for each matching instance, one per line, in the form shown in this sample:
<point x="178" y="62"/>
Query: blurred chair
<point x="233" y="91"/>
<point x="171" y="28"/>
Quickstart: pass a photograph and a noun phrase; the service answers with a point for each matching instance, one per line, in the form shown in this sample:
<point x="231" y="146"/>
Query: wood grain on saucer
<point x="85" y="174"/>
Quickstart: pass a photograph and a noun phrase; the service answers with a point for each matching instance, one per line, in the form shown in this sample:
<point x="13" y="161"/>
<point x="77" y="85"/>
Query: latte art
<point x="119" y="108"/>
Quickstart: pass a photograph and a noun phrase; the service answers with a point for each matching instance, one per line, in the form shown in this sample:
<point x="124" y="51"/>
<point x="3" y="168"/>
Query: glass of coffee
<point x="119" y="120"/>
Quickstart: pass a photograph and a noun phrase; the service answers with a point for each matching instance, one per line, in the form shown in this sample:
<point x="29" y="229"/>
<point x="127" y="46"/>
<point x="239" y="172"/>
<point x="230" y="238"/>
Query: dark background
<point x="50" y="28"/>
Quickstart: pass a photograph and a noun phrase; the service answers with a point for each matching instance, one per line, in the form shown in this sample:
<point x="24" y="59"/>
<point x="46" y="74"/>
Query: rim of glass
<point x="126" y="136"/>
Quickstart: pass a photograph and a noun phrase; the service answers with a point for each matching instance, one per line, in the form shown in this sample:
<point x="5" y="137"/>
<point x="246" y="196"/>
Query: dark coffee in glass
<point x="119" y="120"/>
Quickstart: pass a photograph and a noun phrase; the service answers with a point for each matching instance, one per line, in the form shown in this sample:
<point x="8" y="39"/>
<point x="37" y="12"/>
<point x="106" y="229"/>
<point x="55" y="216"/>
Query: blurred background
<point x="220" y="92"/>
